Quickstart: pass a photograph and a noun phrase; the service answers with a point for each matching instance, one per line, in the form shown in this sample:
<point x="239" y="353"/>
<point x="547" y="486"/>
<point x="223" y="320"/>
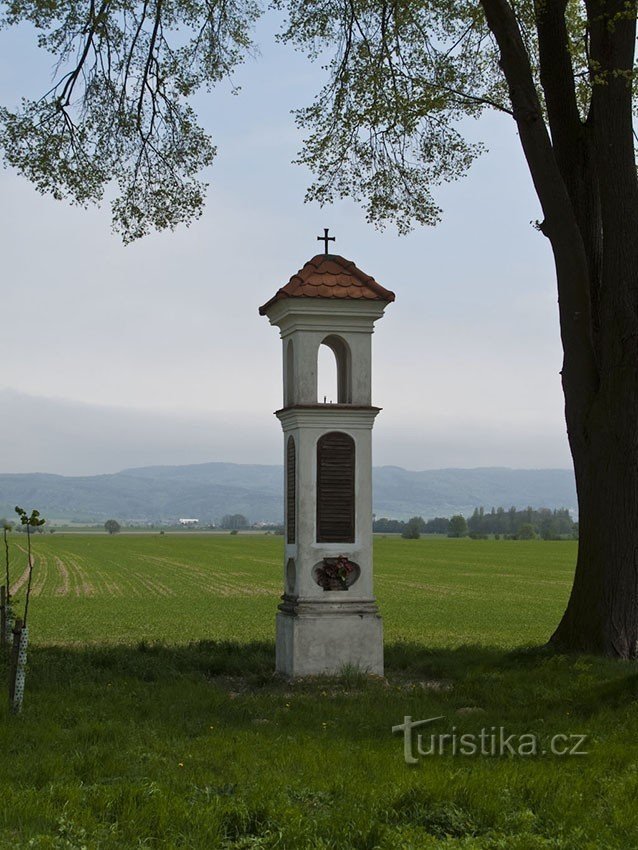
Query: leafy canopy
<point x="403" y="77"/>
<point x="118" y="108"/>
<point x="31" y="520"/>
<point x="385" y="129"/>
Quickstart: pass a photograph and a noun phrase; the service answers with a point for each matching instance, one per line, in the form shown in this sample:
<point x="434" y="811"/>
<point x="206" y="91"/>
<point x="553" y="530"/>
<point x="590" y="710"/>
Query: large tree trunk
<point x="602" y="613"/>
<point x="585" y="178"/>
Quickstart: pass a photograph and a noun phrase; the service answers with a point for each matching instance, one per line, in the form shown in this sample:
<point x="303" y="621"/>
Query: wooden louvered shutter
<point x="291" y="490"/>
<point x="335" y="488"/>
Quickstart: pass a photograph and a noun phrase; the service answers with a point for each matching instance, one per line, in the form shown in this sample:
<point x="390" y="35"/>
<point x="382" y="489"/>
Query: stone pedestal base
<point x="315" y="638"/>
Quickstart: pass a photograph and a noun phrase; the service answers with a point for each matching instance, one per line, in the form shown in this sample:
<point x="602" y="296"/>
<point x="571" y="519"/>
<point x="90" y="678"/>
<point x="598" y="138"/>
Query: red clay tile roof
<point x="330" y="276"/>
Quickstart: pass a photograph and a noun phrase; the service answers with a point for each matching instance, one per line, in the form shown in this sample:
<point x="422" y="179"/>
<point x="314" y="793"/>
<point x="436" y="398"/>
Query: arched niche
<point x="289" y="378"/>
<point x="339" y="389"/>
<point x="291" y="577"/>
<point x="336" y="459"/>
<point x="291" y="490"/>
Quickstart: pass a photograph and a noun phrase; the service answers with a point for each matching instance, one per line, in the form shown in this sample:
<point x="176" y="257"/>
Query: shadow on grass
<point x="479" y="674"/>
<point x="255" y="661"/>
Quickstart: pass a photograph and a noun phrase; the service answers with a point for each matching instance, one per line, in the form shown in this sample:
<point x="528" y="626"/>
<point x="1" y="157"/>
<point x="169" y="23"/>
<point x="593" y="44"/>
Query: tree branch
<point x="67" y="91"/>
<point x="557" y="75"/>
<point x="580" y="374"/>
<point x="571" y="139"/>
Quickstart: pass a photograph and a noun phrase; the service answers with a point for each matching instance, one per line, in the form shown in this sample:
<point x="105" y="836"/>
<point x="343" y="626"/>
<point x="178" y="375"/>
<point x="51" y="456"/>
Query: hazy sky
<point x="155" y="353"/>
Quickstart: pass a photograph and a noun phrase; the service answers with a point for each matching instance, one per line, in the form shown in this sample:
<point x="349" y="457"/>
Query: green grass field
<point x="179" y="588"/>
<point x="153" y="719"/>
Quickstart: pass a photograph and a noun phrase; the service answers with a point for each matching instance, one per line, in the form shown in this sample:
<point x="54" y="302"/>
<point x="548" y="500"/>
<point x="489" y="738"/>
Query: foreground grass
<point x="202" y="747"/>
<point x="198" y="745"/>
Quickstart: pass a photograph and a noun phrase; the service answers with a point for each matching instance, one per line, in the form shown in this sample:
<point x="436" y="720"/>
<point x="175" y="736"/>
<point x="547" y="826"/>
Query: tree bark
<point x="585" y="178"/>
<point x="602" y="613"/>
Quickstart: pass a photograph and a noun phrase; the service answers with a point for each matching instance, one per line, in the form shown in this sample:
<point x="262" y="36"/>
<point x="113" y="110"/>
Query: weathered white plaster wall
<point x="319" y="631"/>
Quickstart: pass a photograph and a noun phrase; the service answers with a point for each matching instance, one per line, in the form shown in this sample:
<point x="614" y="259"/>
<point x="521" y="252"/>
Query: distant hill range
<point x="207" y="491"/>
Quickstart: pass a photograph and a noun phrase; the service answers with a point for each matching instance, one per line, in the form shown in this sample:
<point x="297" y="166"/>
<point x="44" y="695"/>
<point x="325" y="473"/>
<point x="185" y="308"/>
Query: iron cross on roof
<point x="325" y="238"/>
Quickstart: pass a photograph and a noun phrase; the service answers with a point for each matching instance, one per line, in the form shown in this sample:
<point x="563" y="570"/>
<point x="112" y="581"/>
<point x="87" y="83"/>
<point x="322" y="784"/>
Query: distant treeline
<point x="438" y="525"/>
<point x="509" y="523"/>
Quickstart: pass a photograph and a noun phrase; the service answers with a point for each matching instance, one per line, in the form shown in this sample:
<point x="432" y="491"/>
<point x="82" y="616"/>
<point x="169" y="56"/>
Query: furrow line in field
<point x="117" y="581"/>
<point x="241" y="590"/>
<point x="437" y="589"/>
<point x="211" y="581"/>
<point x="40" y="575"/>
<point x="101" y="579"/>
<point x="242" y="585"/>
<point x="15" y="587"/>
<point x="75" y="580"/>
<point x="155" y="588"/>
<point x="195" y="573"/>
<point x="245" y="577"/>
<point x="212" y="584"/>
<point x="255" y="591"/>
<point x="78" y="583"/>
<point x="268" y="561"/>
<point x="168" y="561"/>
<point x="182" y="578"/>
<point x="63" y="589"/>
<point x="84" y="586"/>
<point x="22" y="580"/>
<point x="70" y="577"/>
<point x="130" y="586"/>
<point x="112" y="588"/>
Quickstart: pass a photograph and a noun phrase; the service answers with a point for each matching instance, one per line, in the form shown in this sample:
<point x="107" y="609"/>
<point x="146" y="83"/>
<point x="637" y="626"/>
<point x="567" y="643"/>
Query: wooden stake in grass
<point x="6" y="613"/>
<point x="18" y="666"/>
<point x="3" y="616"/>
<point x="20" y="632"/>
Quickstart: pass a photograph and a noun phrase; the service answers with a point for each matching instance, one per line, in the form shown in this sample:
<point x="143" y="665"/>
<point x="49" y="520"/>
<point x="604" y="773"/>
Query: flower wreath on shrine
<point x="334" y="572"/>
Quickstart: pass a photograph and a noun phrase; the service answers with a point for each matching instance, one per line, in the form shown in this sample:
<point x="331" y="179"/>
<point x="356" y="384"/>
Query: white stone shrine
<point x="328" y="617"/>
